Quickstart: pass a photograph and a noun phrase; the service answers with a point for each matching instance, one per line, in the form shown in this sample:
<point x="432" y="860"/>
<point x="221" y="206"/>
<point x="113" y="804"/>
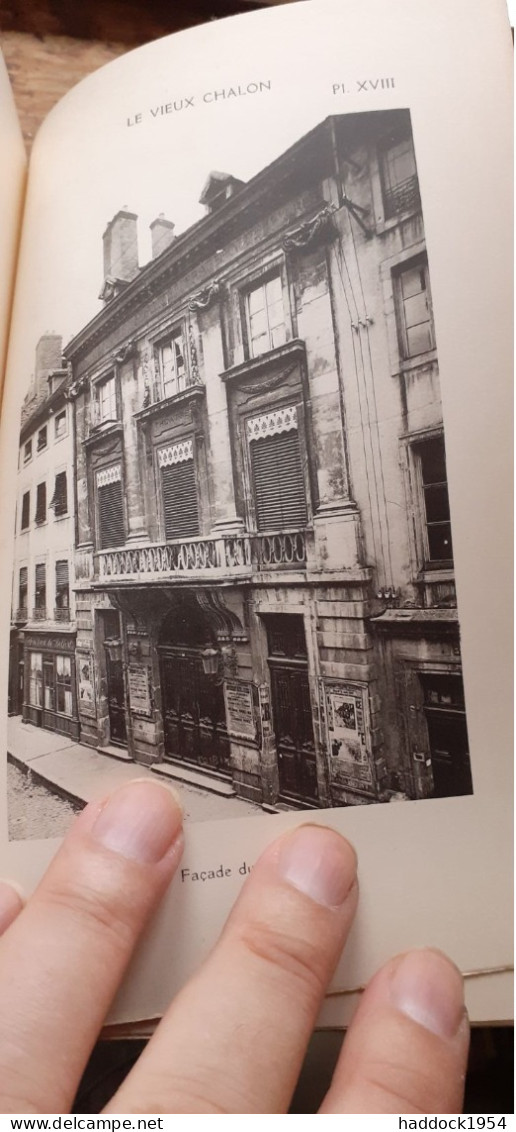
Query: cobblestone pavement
<point x="33" y="810"/>
<point x="38" y="810"/>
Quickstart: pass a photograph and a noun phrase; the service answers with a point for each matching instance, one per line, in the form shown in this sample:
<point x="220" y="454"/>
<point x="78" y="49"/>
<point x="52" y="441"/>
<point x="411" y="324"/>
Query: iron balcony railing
<point x="61" y="614"/>
<point x="403" y="197"/>
<point x="227" y="556"/>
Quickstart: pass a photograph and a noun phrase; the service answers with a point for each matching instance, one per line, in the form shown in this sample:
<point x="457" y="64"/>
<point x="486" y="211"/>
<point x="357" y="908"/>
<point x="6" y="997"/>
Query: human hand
<point x="234" y="1039"/>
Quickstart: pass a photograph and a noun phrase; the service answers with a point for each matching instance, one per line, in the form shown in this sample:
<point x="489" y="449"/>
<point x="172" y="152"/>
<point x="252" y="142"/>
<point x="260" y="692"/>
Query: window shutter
<point x="180" y="507"/>
<point x="23" y="587"/>
<point x="279" y="490"/>
<point x="59" y="499"/>
<point x="111" y="515"/>
<point x="41" y="585"/>
<point x="41" y="502"/>
<point x="25" y="518"/>
<point x="62" y="573"/>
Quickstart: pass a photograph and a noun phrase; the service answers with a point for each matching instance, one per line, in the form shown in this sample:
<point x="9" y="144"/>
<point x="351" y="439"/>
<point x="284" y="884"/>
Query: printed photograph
<point x="233" y="561"/>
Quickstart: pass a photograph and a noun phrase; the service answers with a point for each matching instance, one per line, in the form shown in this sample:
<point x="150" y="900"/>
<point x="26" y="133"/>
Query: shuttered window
<point x="414" y="310"/>
<point x="180" y="508"/>
<point x="40" y="588"/>
<point x="25" y="515"/>
<point x="278" y="483"/>
<point x="62" y="584"/>
<point x="59" y="499"/>
<point x="110" y="505"/>
<point x="41" y="503"/>
<point x="23" y="588"/>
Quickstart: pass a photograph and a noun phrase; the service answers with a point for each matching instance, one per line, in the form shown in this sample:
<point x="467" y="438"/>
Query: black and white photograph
<point x="233" y="560"/>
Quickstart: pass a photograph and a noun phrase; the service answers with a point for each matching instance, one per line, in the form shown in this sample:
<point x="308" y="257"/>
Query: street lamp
<point x="210" y="661"/>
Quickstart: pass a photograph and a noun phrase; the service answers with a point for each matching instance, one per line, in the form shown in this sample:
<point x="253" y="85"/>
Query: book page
<point x="260" y="470"/>
<point x="12" y="182"/>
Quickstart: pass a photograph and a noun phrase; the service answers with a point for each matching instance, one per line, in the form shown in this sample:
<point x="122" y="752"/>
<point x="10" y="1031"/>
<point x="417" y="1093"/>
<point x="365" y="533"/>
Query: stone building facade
<point x="264" y="574"/>
<point x="42" y="678"/>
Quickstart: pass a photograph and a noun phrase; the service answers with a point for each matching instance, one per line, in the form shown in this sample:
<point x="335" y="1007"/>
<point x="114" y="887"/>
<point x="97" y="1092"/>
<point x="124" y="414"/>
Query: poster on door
<point x="85" y="683"/>
<point x="347" y="731"/>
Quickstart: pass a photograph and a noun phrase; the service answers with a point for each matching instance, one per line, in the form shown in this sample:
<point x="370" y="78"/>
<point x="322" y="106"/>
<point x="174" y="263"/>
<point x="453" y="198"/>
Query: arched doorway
<point x="194" y="717"/>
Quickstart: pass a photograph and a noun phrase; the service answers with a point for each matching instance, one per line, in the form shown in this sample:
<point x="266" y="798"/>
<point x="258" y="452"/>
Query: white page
<point x="437" y="870"/>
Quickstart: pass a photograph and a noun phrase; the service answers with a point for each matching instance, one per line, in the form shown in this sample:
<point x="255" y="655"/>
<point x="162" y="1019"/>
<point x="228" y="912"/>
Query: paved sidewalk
<point x="78" y="773"/>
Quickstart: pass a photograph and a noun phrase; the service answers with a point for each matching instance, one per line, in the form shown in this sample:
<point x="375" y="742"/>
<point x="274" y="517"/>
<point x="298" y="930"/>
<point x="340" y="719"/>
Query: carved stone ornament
<point x="109" y="475"/>
<point x="175" y="454"/>
<point x="204" y="298"/>
<point x="77" y="387"/>
<point x="311" y="231"/>
<point x="125" y="352"/>
<point x="269" y="424"/>
<point x="193" y="374"/>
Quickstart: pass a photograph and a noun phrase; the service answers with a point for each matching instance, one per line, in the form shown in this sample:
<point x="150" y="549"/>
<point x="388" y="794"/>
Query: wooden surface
<point x="49" y="45"/>
<point x="41" y="71"/>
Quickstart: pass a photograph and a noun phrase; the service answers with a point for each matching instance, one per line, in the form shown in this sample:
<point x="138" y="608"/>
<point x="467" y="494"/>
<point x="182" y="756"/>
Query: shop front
<point x="49" y="694"/>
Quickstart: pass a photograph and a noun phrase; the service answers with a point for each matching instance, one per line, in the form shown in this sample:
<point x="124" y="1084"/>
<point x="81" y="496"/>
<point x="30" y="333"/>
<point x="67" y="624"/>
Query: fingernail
<point x="11" y="903"/>
<point x="428" y="987"/>
<point x="320" y="863"/>
<point x="140" y="821"/>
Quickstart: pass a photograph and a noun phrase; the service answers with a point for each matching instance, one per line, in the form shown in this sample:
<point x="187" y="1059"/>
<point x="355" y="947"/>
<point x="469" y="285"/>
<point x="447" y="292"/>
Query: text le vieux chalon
<point x="261" y="86"/>
<point x="224" y="94"/>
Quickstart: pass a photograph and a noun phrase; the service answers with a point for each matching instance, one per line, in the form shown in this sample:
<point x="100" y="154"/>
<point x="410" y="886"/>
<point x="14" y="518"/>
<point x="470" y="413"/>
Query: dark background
<point x="49" y="45"/>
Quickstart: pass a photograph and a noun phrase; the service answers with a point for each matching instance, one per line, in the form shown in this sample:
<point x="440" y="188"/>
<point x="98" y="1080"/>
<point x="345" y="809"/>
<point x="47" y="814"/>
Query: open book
<point x="255" y="465"/>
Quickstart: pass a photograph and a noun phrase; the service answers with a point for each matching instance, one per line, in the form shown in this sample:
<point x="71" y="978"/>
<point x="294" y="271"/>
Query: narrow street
<point x="38" y="809"/>
<point x="33" y="810"/>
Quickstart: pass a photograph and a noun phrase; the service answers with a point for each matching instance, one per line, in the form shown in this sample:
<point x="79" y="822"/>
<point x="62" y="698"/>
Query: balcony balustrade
<point x="226" y="557"/>
<point x="61" y="614"/>
<point x="403" y="197"/>
<point x="39" y="613"/>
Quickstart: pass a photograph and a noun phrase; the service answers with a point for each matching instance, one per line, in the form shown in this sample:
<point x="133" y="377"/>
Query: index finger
<point x="63" y="958"/>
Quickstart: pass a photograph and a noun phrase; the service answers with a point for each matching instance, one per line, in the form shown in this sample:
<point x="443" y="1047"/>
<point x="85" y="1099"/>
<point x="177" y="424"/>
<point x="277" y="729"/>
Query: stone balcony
<point x="227" y="558"/>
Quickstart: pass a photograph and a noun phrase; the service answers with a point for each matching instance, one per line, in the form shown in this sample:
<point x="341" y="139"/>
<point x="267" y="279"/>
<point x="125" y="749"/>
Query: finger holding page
<point x="11" y="904"/>
<point x="407" y="1047"/>
<point x="235" y="1037"/>
<point x="63" y="958"/>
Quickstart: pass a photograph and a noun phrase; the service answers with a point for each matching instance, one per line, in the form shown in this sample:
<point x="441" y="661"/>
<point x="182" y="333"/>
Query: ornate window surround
<point x="270" y="265"/>
<point x="181" y="325"/>
<point x="107" y="374"/>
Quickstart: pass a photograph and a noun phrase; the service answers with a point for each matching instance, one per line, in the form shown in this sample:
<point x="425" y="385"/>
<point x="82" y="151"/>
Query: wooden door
<point x="447" y="734"/>
<point x="116" y="701"/>
<point x="292" y="720"/>
<point x="193" y="712"/>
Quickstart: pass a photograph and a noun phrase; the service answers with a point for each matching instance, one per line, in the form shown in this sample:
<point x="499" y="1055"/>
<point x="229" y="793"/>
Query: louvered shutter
<point x="180" y="507"/>
<point x="62" y="585"/>
<point x="41" y="503"/>
<point x="111" y="515"/>
<point x="23" y="587"/>
<point x="25" y="519"/>
<point x="279" y="490"/>
<point x="59" y="499"/>
<point x="41" y="585"/>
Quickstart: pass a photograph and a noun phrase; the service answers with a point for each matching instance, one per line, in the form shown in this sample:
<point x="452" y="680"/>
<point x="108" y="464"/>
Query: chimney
<point x="49" y="351"/>
<point x="49" y="357"/>
<point x="162" y="234"/>
<point x="121" y="247"/>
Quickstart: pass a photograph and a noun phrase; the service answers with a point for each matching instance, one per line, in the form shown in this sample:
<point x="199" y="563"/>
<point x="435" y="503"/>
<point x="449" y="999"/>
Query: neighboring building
<point x="264" y="575"/>
<point x="42" y="683"/>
